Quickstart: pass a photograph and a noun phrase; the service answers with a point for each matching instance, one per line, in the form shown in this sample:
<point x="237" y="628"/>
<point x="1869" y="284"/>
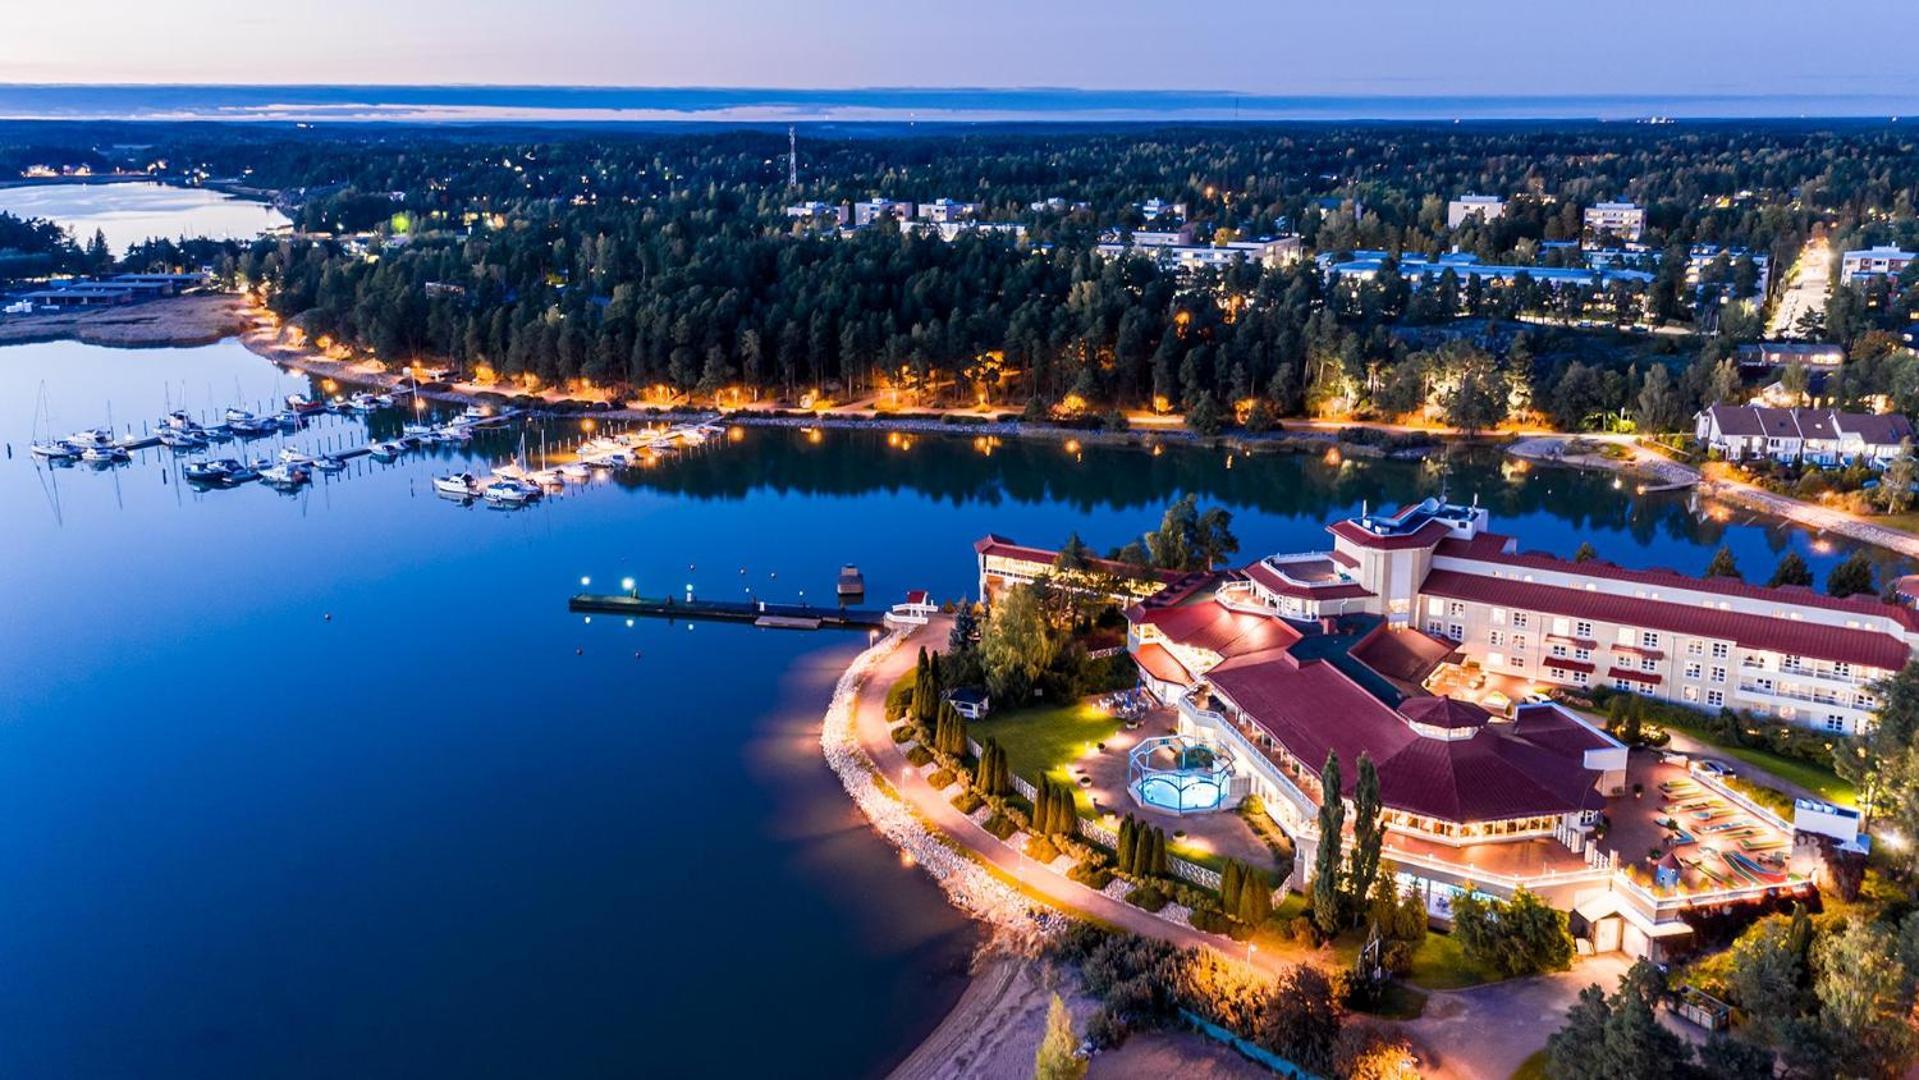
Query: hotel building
<point x="1623" y="220"/>
<point x="1856" y="266"/>
<point x="1466" y="207"/>
<point x="1428" y="643"/>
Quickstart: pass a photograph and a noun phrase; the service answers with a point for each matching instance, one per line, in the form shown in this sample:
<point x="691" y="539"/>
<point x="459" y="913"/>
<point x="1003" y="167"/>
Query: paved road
<point x="1484" y="1033"/>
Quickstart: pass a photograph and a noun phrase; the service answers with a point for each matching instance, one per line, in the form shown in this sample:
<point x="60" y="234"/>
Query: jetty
<point x="757" y="612"/>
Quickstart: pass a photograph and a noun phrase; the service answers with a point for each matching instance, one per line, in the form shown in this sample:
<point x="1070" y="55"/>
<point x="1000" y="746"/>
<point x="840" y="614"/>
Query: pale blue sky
<point x="1258" y="46"/>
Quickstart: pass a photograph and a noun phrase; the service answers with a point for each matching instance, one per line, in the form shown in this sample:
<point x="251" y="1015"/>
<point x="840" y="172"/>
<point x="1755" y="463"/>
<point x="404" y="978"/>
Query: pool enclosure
<point x="1179" y="774"/>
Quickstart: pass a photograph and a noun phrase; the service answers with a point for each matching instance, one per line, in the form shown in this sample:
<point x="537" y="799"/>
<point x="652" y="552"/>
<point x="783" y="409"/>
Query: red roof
<point x="1634" y="650"/>
<point x="1646" y="677"/>
<point x="916" y="596"/>
<point x="1490" y="547"/>
<point x="1432" y="532"/>
<point x="1216" y="628"/>
<point x="1869" y="648"/>
<point x="1315" y="709"/>
<point x="1444" y="712"/>
<point x="1568" y="665"/>
<point x="1160" y="664"/>
<point x="1004" y="548"/>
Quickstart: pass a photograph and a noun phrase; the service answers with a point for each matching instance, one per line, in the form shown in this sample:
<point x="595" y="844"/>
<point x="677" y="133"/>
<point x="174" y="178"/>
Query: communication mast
<point x="792" y="157"/>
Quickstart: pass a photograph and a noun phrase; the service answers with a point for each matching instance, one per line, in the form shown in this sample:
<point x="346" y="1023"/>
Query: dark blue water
<point x="334" y="785"/>
<point x="885" y="104"/>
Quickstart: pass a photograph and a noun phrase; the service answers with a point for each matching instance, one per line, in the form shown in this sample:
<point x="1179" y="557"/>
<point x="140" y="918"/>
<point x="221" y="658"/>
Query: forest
<point x="642" y="259"/>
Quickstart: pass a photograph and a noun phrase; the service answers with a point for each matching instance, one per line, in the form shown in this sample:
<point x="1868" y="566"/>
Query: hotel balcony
<point x="1824" y="699"/>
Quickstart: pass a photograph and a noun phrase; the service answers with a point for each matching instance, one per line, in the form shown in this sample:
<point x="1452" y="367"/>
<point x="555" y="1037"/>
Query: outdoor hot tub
<point x="1179" y="774"/>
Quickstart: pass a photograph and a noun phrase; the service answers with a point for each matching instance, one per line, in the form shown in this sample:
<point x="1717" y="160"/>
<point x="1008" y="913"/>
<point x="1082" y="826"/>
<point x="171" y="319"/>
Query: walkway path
<point x="1485" y="1032"/>
<point x="1550" y="449"/>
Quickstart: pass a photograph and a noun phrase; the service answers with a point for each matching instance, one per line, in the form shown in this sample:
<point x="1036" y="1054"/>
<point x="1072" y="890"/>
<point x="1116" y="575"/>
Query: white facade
<point x="1873" y="262"/>
<point x="1467" y="207"/>
<point x="947" y="210"/>
<point x="1625" y="220"/>
<point x="871" y="210"/>
<point x="1272" y="252"/>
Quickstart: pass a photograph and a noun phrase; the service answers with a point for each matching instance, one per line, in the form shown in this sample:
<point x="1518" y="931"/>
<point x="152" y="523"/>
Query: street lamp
<point x="585" y="581"/>
<point x="626" y="584"/>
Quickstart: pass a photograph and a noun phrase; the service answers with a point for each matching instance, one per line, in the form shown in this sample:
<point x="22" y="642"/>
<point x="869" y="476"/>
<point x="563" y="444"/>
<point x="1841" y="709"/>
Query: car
<point x="1714" y="768"/>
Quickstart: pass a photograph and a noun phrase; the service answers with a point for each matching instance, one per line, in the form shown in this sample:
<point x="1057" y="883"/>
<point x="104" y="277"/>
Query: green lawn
<point x="1821" y="781"/>
<point x="1044" y="739"/>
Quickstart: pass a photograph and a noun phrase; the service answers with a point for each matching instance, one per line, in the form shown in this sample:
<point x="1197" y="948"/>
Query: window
<point x="1695" y="648"/>
<point x="1835" y="722"/>
<point x="1558" y="649"/>
<point x="1691" y="693"/>
<point x="1499" y="616"/>
<point x="1582" y="654"/>
<point x="1649" y="640"/>
<point x="1841" y="670"/>
<point x="1495" y="638"/>
<point x="1458" y="632"/>
<point x="1692" y="669"/>
<point x="1583" y="629"/>
<point x="1455" y="607"/>
<point x="1718" y="674"/>
<point x="1715" y="698"/>
<point x="1519" y="620"/>
<point x="1435" y="606"/>
<point x="1434" y="628"/>
<point x="1581" y="678"/>
<point x="1562" y="627"/>
<point x="1647" y="663"/>
<point x="1494" y="659"/>
<point x="1624" y="685"/>
<point x="1719" y="650"/>
<point x="1519" y="641"/>
<point x="1516" y="662"/>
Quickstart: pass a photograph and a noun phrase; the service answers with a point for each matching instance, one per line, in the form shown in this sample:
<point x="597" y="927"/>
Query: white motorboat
<point x="578" y="471"/>
<point x="239" y="416"/>
<point x="304" y="405"/>
<point x="327" y="463"/>
<point x="179" y="420"/>
<point x="104" y="455"/>
<point x="54" y="450"/>
<point x="90" y="437"/>
<point x="476" y="412"/>
<point x="418" y="431"/>
<point x="181" y="438"/>
<point x="510" y="492"/>
<point x="290" y="456"/>
<point x="388" y="450"/>
<point x="457" y="486"/>
<point x="286" y="475"/>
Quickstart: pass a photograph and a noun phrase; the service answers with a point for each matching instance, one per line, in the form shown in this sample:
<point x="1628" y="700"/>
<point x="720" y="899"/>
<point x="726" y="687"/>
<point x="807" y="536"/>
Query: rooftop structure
<point x="1176" y="251"/>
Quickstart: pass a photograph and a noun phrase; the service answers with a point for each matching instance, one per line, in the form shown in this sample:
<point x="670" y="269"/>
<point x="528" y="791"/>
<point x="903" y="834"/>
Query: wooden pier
<point x="759" y="613"/>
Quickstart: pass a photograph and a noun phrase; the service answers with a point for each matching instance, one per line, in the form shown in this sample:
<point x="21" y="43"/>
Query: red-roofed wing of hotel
<point x="1433" y="646"/>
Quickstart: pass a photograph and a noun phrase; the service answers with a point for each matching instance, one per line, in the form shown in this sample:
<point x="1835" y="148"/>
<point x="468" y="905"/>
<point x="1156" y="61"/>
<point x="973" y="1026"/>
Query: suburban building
<point x="1624" y="220"/>
<point x="1363" y="265"/>
<point x="1770" y="355"/>
<point x="1058" y="205"/>
<point x="1873" y="262"/>
<point x="1157" y="207"/>
<point x="1432" y="646"/>
<point x="950" y="231"/>
<point x="1466" y="207"/>
<point x="944" y="209"/>
<point x="870" y="210"/>
<point x="1703" y="264"/>
<point x="820" y="212"/>
<point x="1820" y="436"/>
<point x="1179" y="249"/>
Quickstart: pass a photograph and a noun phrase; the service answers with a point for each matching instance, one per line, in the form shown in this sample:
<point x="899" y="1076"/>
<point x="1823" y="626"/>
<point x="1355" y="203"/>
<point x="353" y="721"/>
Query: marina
<point x="757" y="612"/>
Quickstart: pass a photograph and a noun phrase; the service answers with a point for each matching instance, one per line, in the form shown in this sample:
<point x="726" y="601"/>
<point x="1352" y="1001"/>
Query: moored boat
<point x="457" y="486"/>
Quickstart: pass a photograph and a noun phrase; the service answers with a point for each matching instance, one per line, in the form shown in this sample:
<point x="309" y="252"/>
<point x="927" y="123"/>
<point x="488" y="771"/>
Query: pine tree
<point x="1156" y="863"/>
<point x="1586" y="552"/>
<point x="1792" y="570"/>
<point x="1229" y="887"/>
<point x="1255" y="899"/>
<point x="1723" y="565"/>
<point x="1369" y="834"/>
<point x="1128" y="845"/>
<point x="1851" y="577"/>
<point x="1058" y="1057"/>
<point x="1326" y="861"/>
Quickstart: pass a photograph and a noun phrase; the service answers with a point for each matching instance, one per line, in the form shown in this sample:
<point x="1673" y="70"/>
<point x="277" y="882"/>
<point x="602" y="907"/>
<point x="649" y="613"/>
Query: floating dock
<point x="759" y="613"/>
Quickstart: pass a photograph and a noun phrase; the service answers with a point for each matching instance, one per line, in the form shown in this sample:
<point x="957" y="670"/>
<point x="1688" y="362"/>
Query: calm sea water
<point x="333" y="784"/>
<point x="131" y="212"/>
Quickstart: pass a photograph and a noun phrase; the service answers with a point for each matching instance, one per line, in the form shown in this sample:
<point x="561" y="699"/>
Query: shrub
<point x="968" y="801"/>
<point x="1092" y="875"/>
<point x="1041" y="849"/>
<point x="899" y="696"/>
<point x="941" y="778"/>
<point x="918" y="756"/>
<point x="1210" y="921"/>
<point x="903" y="733"/>
<point x="1147" y="898"/>
<point x="1000" y="826"/>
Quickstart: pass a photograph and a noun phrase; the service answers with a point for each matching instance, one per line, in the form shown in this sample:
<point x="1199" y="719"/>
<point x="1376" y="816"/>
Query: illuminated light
<point x="893" y="438"/>
<point x="627" y="584"/>
<point x="1072" y="446"/>
<point x="736" y="433"/>
<point x="1162" y="404"/>
<point x="1333" y="456"/>
<point x="586" y="424"/>
<point x="629" y="624"/>
<point x="585" y="581"/>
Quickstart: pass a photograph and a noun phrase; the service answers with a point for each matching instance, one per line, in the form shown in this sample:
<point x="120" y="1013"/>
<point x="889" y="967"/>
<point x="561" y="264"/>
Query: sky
<point x="1389" y="47"/>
